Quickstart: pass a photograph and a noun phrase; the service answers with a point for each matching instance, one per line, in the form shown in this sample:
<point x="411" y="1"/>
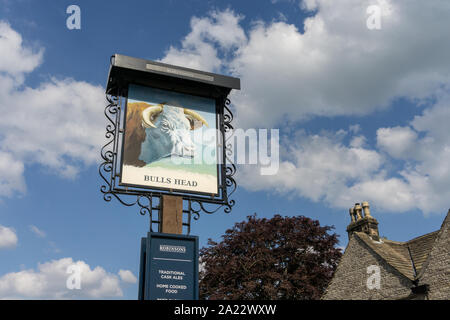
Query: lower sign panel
<point x="170" y="270"/>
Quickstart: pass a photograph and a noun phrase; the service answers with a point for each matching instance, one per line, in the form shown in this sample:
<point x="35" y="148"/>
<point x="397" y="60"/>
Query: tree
<point x="278" y="258"/>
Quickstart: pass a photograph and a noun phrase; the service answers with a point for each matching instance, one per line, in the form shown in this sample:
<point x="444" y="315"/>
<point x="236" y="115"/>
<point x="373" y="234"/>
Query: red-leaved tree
<point x="278" y="258"/>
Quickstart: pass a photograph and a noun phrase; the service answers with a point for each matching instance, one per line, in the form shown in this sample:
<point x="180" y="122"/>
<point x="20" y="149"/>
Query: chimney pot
<point x="358" y="211"/>
<point x="352" y="214"/>
<point x="360" y="224"/>
<point x="366" y="208"/>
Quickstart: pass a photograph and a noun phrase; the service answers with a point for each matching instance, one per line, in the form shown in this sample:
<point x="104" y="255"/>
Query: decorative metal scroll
<point x="149" y="201"/>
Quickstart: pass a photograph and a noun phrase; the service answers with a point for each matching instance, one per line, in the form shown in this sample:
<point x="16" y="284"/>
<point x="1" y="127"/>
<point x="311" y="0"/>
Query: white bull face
<point x="167" y="130"/>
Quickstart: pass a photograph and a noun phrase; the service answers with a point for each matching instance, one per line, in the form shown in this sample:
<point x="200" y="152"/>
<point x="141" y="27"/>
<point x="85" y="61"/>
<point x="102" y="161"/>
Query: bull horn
<point x="194" y="115"/>
<point x="149" y="113"/>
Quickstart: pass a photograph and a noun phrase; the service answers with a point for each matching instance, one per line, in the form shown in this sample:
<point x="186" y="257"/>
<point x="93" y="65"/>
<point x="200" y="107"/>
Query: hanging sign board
<point x="169" y="130"/>
<point x="170" y="141"/>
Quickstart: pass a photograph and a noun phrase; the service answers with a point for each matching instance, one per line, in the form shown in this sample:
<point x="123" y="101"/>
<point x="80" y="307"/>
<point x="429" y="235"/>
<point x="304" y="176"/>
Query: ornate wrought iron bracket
<point x="149" y="201"/>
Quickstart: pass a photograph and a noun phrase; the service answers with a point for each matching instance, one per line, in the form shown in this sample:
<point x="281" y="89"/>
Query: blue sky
<point x="363" y="115"/>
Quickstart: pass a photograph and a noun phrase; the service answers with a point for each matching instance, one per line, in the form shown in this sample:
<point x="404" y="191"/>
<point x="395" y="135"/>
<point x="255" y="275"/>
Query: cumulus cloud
<point x="317" y="167"/>
<point x="8" y="238"/>
<point x="337" y="66"/>
<point x="398" y="142"/>
<point x="11" y="175"/>
<point x="426" y="158"/>
<point x="49" y="281"/>
<point x="324" y="168"/>
<point x="56" y="124"/>
<point x="16" y="59"/>
<point x="198" y="51"/>
<point x="127" y="276"/>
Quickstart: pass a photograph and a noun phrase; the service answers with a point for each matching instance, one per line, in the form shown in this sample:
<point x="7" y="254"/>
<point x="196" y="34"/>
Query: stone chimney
<point x="360" y="223"/>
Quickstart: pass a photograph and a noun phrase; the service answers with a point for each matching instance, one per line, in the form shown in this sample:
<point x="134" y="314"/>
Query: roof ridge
<point x="396" y="242"/>
<point x="422" y="236"/>
<point x="382" y="254"/>
<point x="409" y="241"/>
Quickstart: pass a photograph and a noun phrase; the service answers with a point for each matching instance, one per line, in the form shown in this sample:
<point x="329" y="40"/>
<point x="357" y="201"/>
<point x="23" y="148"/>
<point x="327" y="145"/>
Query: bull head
<point x="167" y="132"/>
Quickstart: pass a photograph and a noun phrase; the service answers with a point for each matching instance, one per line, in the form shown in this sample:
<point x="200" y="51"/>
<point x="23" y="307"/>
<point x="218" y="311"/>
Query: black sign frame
<point x="219" y="166"/>
<point x="126" y="70"/>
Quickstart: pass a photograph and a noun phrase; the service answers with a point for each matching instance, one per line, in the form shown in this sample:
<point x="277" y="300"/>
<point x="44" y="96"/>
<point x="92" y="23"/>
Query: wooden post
<point x="171" y="214"/>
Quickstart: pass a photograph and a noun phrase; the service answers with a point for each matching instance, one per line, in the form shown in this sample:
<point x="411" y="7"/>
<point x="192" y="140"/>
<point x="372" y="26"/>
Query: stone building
<point x="377" y="268"/>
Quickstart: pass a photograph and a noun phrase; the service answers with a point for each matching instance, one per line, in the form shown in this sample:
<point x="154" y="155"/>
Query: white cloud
<point x="127" y="276"/>
<point x="37" y="231"/>
<point x="434" y="121"/>
<point x="57" y="124"/>
<point x="398" y="142"/>
<point x="385" y="194"/>
<point x="11" y="175"/>
<point x="8" y="238"/>
<point x="426" y="158"/>
<point x="319" y="167"/>
<point x="340" y="67"/>
<point x="16" y="59"/>
<point x="49" y="282"/>
<point x="358" y="141"/>
<point x="199" y="46"/>
<point x="337" y="66"/>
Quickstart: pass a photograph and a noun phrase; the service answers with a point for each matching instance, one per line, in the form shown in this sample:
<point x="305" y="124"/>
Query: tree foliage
<point x="278" y="258"/>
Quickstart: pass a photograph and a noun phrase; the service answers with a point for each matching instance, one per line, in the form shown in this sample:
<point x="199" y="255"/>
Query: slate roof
<point x="406" y="257"/>
<point x="420" y="248"/>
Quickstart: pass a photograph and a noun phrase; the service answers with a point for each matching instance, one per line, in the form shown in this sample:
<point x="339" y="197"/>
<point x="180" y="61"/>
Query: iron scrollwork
<point x="108" y="168"/>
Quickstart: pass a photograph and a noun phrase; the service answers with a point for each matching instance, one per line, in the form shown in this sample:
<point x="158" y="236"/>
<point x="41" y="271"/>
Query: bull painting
<point x="159" y="131"/>
<point x="160" y="149"/>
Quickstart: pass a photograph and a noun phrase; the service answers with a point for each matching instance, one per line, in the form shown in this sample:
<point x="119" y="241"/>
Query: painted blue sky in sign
<point x="363" y="115"/>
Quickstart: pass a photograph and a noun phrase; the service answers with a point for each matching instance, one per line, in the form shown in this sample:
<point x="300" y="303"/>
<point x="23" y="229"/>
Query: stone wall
<point x="437" y="267"/>
<point x="350" y="279"/>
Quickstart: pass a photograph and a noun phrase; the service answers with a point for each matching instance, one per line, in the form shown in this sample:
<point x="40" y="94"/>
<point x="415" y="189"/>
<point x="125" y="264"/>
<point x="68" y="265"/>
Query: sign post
<point x="167" y="149"/>
<point x="171" y="215"/>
